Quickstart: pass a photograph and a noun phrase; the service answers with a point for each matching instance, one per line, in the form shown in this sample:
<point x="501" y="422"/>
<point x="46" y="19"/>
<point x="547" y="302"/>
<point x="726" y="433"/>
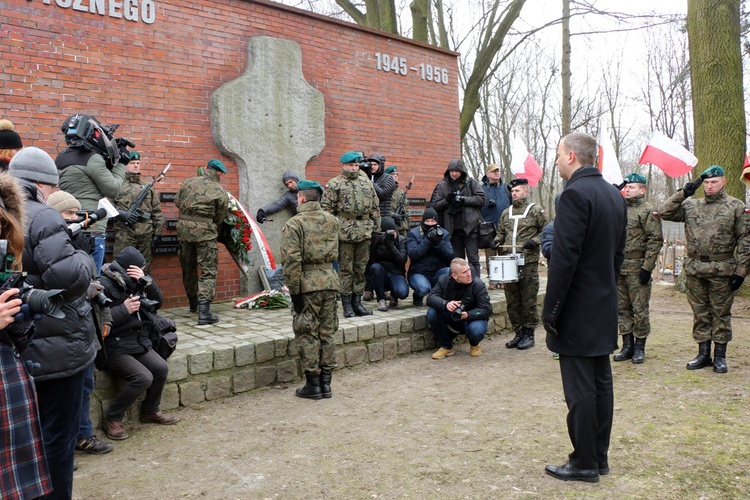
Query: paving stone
<point x="170" y="397"/>
<point x="355" y="355"/>
<point x="291" y="348"/>
<point x="394" y="327"/>
<point x="218" y="387"/>
<point x="375" y="351"/>
<point x="243" y="380"/>
<point x="191" y="393"/>
<point x="407" y="325"/>
<point x="286" y="371"/>
<point x="280" y="345"/>
<point x="264" y="351"/>
<point x="338" y="337"/>
<point x="223" y="357"/>
<point x="350" y="334"/>
<point x="340" y="358"/>
<point x="429" y="339"/>
<point x="178" y="367"/>
<point x="381" y="330"/>
<point x="244" y="354"/>
<point x="200" y="361"/>
<point x="265" y="375"/>
<point x="417" y="342"/>
<point x="365" y="332"/>
<point x="390" y="348"/>
<point x="420" y="322"/>
<point x="404" y="345"/>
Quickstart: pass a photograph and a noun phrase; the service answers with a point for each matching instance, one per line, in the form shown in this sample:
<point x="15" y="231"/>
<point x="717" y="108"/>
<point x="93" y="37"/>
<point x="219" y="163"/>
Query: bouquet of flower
<point x="235" y="234"/>
<point x="275" y="299"/>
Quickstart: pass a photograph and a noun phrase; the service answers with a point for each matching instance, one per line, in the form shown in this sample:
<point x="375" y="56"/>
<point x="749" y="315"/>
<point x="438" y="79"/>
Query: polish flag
<point x="670" y="157"/>
<point x="608" y="164"/>
<point x="522" y="164"/>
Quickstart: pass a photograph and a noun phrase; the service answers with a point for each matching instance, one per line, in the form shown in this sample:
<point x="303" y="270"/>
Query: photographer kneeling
<point x="127" y="351"/>
<point x="430" y="251"/>
<point x="388" y="264"/>
<point x="459" y="304"/>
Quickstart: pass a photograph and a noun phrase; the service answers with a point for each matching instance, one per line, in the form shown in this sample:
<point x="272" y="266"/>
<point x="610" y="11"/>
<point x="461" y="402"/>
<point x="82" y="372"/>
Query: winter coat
<point x="500" y="194"/>
<point x="548" y="234"/>
<point x="287" y="200"/>
<point x="425" y="257"/>
<point x="581" y="297"/>
<point x="392" y="256"/>
<point x="61" y="347"/>
<point x="473" y="297"/>
<point x="467" y="215"/>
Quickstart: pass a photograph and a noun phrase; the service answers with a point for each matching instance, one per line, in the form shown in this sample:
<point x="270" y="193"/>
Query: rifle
<point x="400" y="214"/>
<point x="135" y="212"/>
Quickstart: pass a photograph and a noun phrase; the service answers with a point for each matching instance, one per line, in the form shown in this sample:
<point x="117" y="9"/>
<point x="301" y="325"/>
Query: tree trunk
<point x="419" y="16"/>
<point x="565" y="75"/>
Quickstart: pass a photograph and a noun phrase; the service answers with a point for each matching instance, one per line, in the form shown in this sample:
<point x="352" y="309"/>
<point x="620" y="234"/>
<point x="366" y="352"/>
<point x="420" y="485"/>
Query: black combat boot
<point x="639" y="351"/>
<point x="204" y="314"/>
<point x="527" y="342"/>
<point x="325" y="382"/>
<point x="311" y="389"/>
<point x="193" y="301"/>
<point x="346" y="303"/>
<point x="513" y="343"/>
<point x="627" y="348"/>
<point x="703" y="359"/>
<point x="720" y="358"/>
<point x="359" y="309"/>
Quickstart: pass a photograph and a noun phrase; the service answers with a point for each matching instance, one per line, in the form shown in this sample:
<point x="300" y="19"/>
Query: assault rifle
<point x="135" y="212"/>
<point x="400" y="214"/>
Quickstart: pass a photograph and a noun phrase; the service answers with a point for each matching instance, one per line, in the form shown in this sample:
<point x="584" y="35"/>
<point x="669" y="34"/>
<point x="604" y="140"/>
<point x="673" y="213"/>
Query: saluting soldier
<point x="309" y="247"/>
<point x="145" y="233"/>
<point x="351" y="197"/>
<point x="520" y="229"/>
<point x="715" y="226"/>
<point x="203" y="206"/>
<point x="643" y="242"/>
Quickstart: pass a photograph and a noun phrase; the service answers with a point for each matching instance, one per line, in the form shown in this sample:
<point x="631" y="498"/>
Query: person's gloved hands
<point x="155" y="240"/>
<point x="25" y="315"/>
<point x="451" y="198"/>
<point x="459" y="199"/>
<point x="496" y="244"/>
<point x="691" y="187"/>
<point x="530" y="245"/>
<point x="491" y="203"/>
<point x="620" y="186"/>
<point x="549" y="326"/>
<point x="124" y="155"/>
<point x="644" y="277"/>
<point x="128" y="218"/>
<point x="297" y="303"/>
<point x="735" y="281"/>
<point x="261" y="216"/>
<point x="94" y="288"/>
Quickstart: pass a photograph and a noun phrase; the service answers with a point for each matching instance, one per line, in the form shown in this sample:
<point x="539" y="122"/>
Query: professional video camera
<point x="82" y="131"/>
<point x="146" y="303"/>
<point x="48" y="302"/>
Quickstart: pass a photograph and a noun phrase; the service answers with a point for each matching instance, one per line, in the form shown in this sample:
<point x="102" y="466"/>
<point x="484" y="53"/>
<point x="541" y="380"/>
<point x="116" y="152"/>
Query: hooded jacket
<point x="288" y="199"/>
<point x="384" y="185"/>
<point x="466" y="215"/>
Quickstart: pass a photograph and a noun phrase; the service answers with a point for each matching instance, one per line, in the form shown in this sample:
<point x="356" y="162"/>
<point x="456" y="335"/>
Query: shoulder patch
<point x="655" y="214"/>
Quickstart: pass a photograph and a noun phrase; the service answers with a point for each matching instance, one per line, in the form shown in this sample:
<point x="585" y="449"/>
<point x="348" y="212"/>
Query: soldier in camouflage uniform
<point x="145" y="233"/>
<point x="520" y="228"/>
<point x="402" y="217"/>
<point x="309" y="247"/>
<point x="203" y="207"/>
<point x="714" y="227"/>
<point x="351" y="197"/>
<point x="642" y="245"/>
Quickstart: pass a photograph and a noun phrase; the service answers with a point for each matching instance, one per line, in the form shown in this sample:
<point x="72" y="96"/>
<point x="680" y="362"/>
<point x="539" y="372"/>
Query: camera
<point x="99" y="298"/>
<point x="365" y="165"/>
<point x="390" y="237"/>
<point x="457" y="313"/>
<point x="491" y="203"/>
<point x="435" y="233"/>
<point x="146" y="303"/>
<point x="83" y="131"/>
<point x="47" y="302"/>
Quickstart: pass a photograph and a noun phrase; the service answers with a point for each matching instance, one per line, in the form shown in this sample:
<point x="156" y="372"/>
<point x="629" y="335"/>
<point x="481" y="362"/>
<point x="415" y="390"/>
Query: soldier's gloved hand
<point x="620" y="186"/>
<point x="644" y="277"/>
<point x="496" y="244"/>
<point x="261" y="216"/>
<point x="297" y="303"/>
<point x="692" y="186"/>
<point x="155" y="240"/>
<point x="128" y="218"/>
<point x="530" y="245"/>
<point x="735" y="281"/>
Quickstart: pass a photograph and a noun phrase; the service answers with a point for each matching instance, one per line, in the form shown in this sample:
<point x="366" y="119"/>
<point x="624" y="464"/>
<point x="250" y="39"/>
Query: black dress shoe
<point x="603" y="468"/>
<point x="569" y="473"/>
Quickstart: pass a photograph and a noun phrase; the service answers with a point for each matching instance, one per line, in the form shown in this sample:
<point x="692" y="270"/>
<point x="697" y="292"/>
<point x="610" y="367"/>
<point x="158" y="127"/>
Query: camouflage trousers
<point x="521" y="297"/>
<point x="353" y="259"/>
<point x="142" y="242"/>
<point x="633" y="299"/>
<point x="203" y="254"/>
<point x="711" y="300"/>
<point x="314" y="328"/>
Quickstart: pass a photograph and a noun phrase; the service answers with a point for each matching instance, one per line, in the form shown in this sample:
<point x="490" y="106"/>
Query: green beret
<point x="391" y="170"/>
<point x="135" y="155"/>
<point x="351" y="157"/>
<point x="217" y="165"/>
<point x="713" y="171"/>
<point x="635" y="179"/>
<point x="305" y="184"/>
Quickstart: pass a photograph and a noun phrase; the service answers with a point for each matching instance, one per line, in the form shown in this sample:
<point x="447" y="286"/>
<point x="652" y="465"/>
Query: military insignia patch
<point x="655" y="213"/>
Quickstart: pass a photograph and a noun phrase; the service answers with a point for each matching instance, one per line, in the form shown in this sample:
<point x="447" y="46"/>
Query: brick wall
<point x="156" y="77"/>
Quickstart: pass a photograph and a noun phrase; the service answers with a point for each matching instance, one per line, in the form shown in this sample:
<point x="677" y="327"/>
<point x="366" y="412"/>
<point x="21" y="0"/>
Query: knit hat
<point x="635" y="179"/>
<point x="9" y="138"/>
<point x="387" y="223"/>
<point x="130" y="256"/>
<point x="62" y="201"/>
<point x="713" y="171"/>
<point x="430" y="213"/>
<point x="34" y="165"/>
<point x="217" y="165"/>
<point x="135" y="155"/>
<point x="351" y="157"/>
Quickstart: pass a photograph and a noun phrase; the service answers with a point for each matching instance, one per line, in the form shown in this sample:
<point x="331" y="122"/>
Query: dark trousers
<point x="587" y="384"/>
<point x="60" y="413"/>
<point x="141" y="372"/>
<point x="382" y="280"/>
<point x="467" y="244"/>
<point x="84" y="428"/>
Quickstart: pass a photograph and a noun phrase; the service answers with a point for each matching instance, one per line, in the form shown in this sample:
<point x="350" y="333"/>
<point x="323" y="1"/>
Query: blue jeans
<point x="382" y="280"/>
<point x="85" y="429"/>
<point x="422" y="285"/>
<point x="98" y="254"/>
<point x="446" y="329"/>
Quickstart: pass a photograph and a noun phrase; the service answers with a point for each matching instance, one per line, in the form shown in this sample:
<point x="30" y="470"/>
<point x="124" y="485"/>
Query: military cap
<point x="135" y="155"/>
<point x="305" y="184"/>
<point x="713" y="171"/>
<point x="351" y="157"/>
<point x="518" y="182"/>
<point x="493" y="167"/>
<point x="635" y="179"/>
<point x="391" y="170"/>
<point x="217" y="165"/>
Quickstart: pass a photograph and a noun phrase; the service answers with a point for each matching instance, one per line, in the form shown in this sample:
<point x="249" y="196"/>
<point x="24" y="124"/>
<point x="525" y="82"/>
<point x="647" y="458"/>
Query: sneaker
<point x="442" y="353"/>
<point x="94" y="446"/>
<point x="159" y="418"/>
<point x="475" y="351"/>
<point x="115" y="430"/>
<point x="393" y="302"/>
<point x="382" y="306"/>
<point x="555" y="355"/>
<point x="368" y="296"/>
<point x="75" y="464"/>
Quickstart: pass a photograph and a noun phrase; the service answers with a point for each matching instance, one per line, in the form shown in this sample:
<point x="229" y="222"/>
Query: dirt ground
<point x="456" y="428"/>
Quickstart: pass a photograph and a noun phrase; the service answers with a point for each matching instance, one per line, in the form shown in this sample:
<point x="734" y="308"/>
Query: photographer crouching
<point x="459" y="304"/>
<point x="388" y="264"/>
<point x="127" y="352"/>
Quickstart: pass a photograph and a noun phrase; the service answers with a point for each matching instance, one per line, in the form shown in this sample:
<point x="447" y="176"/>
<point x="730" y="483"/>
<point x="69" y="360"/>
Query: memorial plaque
<point x="167" y="197"/>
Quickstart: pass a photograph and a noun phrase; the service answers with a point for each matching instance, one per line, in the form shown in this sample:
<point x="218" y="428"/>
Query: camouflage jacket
<point x="310" y="237"/>
<point x="351" y="197"/>
<point x="402" y="220"/>
<point x="643" y="236"/>
<point x="131" y="188"/>
<point x="529" y="228"/>
<point x="203" y="206"/>
<point x="714" y="227"/>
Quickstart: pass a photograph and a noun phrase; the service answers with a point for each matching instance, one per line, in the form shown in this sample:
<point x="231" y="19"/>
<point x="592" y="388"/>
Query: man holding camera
<point x="459" y="198"/>
<point x="715" y="226"/>
<point x="388" y="264"/>
<point x="459" y="304"/>
<point x="520" y="231"/>
<point x="430" y="253"/>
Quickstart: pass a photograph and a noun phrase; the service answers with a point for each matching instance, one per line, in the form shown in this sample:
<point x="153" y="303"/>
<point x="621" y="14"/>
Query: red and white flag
<point x="522" y="164"/>
<point x="670" y="157"/>
<point x="608" y="164"/>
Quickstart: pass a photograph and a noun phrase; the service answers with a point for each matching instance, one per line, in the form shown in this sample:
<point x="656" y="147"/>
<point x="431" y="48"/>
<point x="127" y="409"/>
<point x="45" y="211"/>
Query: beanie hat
<point x="289" y="174"/>
<point x="34" y="165"/>
<point x="217" y="165"/>
<point x="430" y="213"/>
<point x="135" y="155"/>
<point x="62" y="201"/>
<point x="130" y="256"/>
<point x="9" y="138"/>
<point x="387" y="223"/>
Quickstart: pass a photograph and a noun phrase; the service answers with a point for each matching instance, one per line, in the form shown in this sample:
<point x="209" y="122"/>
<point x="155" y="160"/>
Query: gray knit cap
<point x="34" y="165"/>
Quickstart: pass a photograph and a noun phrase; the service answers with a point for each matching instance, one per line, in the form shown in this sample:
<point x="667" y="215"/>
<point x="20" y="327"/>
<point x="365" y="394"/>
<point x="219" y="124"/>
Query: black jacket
<point x="589" y="242"/>
<point x="428" y="258"/>
<point x="392" y="256"/>
<point x="473" y="297"/>
<point x="467" y="215"/>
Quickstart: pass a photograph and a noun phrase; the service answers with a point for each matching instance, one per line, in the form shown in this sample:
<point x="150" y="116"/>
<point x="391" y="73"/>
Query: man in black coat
<point x="580" y="307"/>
